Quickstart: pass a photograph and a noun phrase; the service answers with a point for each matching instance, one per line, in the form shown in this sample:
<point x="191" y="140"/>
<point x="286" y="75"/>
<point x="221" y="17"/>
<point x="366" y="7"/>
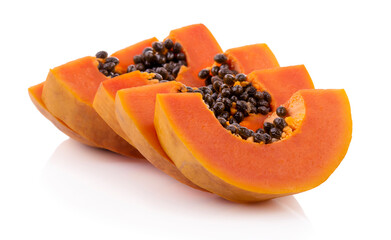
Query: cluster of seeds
<point x="163" y="58"/>
<point x="232" y="98"/>
<point x="107" y="64"/>
<point x="229" y="95"/>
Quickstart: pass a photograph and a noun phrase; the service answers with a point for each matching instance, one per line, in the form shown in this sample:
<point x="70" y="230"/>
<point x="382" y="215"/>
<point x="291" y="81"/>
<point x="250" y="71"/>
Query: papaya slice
<point x="135" y="110"/>
<point x="281" y="83"/>
<point x="200" y="47"/>
<point x="35" y="93"/>
<point x="125" y="55"/>
<point x="135" y="113"/>
<point x="197" y="43"/>
<point x="244" y="171"/>
<point x="249" y="58"/>
<point x="105" y="97"/>
<point x="68" y="94"/>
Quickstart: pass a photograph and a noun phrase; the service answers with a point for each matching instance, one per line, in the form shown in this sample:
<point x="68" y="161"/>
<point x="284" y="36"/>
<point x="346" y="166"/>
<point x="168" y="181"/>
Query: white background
<point x="55" y="188"/>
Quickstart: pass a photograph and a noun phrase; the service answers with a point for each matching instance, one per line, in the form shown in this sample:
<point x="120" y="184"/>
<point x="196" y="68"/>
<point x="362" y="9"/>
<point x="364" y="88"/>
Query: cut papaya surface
<point x="68" y="94"/>
<point x="104" y="101"/>
<point x="196" y="42"/>
<point x="200" y="47"/>
<point x="125" y="55"/>
<point x="281" y="83"/>
<point x="35" y="93"/>
<point x="135" y="112"/>
<point x="135" y="109"/>
<point x="245" y="171"/>
<point x="253" y="57"/>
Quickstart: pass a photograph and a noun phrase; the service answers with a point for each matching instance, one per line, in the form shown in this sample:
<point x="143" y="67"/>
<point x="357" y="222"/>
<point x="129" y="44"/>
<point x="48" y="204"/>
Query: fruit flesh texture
<point x="199" y="46"/>
<point x="136" y="117"/>
<point x="104" y="101"/>
<point x="135" y="113"/>
<point x="68" y="94"/>
<point x="35" y="93"/>
<point x="198" y="57"/>
<point x="249" y="58"/>
<point x="281" y="83"/>
<point x="126" y="55"/>
<point x="244" y="171"/>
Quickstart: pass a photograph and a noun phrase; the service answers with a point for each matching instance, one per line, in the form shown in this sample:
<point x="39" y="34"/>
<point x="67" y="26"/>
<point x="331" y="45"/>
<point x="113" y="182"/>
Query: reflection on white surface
<point x="131" y="192"/>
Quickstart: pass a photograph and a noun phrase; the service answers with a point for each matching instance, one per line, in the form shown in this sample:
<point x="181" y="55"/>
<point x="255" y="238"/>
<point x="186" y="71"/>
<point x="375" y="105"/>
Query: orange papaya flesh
<point x="139" y="117"/>
<point x="68" y="94"/>
<point x="281" y="83"/>
<point x="125" y="55"/>
<point x="104" y="101"/>
<point x="244" y="171"/>
<point x="35" y="93"/>
<point x="249" y="58"/>
<point x="199" y="46"/>
<point x="135" y="114"/>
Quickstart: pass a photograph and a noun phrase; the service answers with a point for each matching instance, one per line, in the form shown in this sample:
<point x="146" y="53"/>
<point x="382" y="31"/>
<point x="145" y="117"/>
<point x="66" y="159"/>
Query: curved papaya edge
<point x="35" y="93"/>
<point x="253" y="57"/>
<point x="104" y="101"/>
<point x="126" y="55"/>
<point x="190" y="37"/>
<point x="197" y="57"/>
<point x="244" y="171"/>
<point x="281" y="83"/>
<point x="68" y="94"/>
<point x="135" y="109"/>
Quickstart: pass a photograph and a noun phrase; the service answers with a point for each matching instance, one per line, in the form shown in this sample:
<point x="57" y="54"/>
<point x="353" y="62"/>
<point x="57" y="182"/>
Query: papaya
<point x="35" y="93"/>
<point x="77" y="83"/>
<point x="68" y="93"/>
<point x="247" y="171"/>
<point x="135" y="110"/>
<point x="281" y="83"/>
<point x="200" y="47"/>
<point x="105" y="96"/>
<point x="125" y="55"/>
<point x="253" y="57"/>
<point x="197" y="43"/>
<point x="135" y="114"/>
<point x="85" y="87"/>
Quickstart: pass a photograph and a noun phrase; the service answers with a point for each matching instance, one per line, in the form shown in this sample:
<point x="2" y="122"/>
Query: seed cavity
<point x="164" y="59"/>
<point x="232" y="97"/>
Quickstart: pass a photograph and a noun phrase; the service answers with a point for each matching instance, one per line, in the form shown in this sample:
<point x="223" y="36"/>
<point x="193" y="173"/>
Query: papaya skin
<point x="189" y="37"/>
<point x="104" y="101"/>
<point x="281" y="83"/>
<point x="244" y="171"/>
<point x="68" y="94"/>
<point x="135" y="110"/>
<point x="35" y="93"/>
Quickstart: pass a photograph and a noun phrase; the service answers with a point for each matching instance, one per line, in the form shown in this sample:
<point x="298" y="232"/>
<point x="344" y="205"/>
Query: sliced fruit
<point x="281" y="83"/>
<point x="135" y="109"/>
<point x="197" y="43"/>
<point x="125" y="55"/>
<point x="105" y="97"/>
<point x="244" y="171"/>
<point x="200" y="47"/>
<point x="68" y="94"/>
<point x="248" y="58"/>
<point x="35" y="93"/>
